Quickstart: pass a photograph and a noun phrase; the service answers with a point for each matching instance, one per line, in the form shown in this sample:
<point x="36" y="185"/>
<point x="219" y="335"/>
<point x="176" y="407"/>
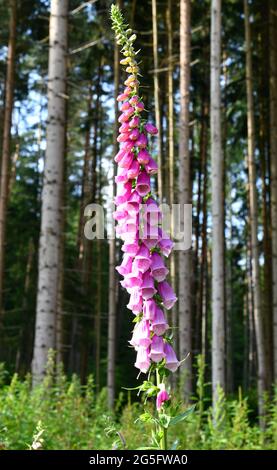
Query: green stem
<point x="162" y="429"/>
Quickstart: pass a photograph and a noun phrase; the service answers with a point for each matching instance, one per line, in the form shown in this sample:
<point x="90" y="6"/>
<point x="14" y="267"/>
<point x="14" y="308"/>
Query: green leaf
<point x="177" y="419"/>
<point x="148" y="448"/>
<point x="164" y="420"/>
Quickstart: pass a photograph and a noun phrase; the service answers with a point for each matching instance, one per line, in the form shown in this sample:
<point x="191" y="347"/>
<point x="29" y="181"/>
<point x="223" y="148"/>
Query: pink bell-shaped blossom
<point x="134" y="134"/>
<point x="143" y="183"/>
<point x="127" y="91"/>
<point x="149" y="309"/>
<point x="143" y="156"/>
<point x="126" y="160"/>
<point x="124" y="127"/>
<point x="150" y="128"/>
<point x="134" y="100"/>
<point x="125" y="106"/>
<point x="157" y="349"/>
<point x="151" y="167"/>
<point x="165" y="243"/>
<point x="134" y="202"/>
<point x="120" y="213"/>
<point x="124" y="191"/>
<point x="158" y="269"/>
<point x="167" y="294"/>
<point x="162" y="397"/>
<point x="122" y="175"/>
<point x="152" y="213"/>
<point x="171" y="361"/>
<point x="131" y="247"/>
<point x="134" y="122"/>
<point x="122" y="97"/>
<point x="120" y="155"/>
<point x="126" y="265"/>
<point x="133" y="279"/>
<point x="142" y="362"/>
<point x="128" y="145"/>
<point x="159" y="323"/>
<point x="123" y="137"/>
<point x="139" y="106"/>
<point x="141" y="141"/>
<point x="135" y="301"/>
<point x="141" y="334"/>
<point x="149" y="234"/>
<point x="142" y="260"/>
<point x="133" y="170"/>
<point x="147" y="286"/>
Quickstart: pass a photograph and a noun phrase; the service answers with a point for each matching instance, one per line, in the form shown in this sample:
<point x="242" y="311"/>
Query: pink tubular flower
<point x="142" y="260"/>
<point x="126" y="160"/>
<point x="147" y="286"/>
<point x="134" y="100"/>
<point x="162" y="397"/>
<point x="126" y="265"/>
<point x="134" y="134"/>
<point x="142" y="141"/>
<point x="159" y="323"/>
<point x="123" y="137"/>
<point x="133" y="170"/>
<point x="141" y="335"/>
<point x="122" y="97"/>
<point x="149" y="309"/>
<point x="134" y="122"/>
<point x="151" y="167"/>
<point x="158" y="269"/>
<point x="134" y="202"/>
<point x="171" y="361"/>
<point x="124" y="127"/>
<point x="125" y="106"/>
<point x="157" y="349"/>
<point x="142" y="361"/>
<point x="140" y="106"/>
<point x="135" y="301"/>
<point x="143" y="183"/>
<point x="131" y="247"/>
<point x="167" y="294"/>
<point x="150" y="128"/>
<point x="143" y="157"/>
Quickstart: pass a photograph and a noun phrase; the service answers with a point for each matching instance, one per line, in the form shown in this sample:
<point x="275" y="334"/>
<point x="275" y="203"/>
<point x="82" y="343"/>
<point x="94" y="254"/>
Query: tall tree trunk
<point x="201" y="207"/>
<point x="263" y="142"/>
<point x="253" y="216"/>
<point x="5" y="164"/>
<point x="22" y="356"/>
<point x="112" y="252"/>
<point x="185" y="197"/>
<point x="218" y="330"/>
<point x="273" y="161"/>
<point x="59" y="342"/>
<point x="51" y="222"/>
<point x="157" y="97"/>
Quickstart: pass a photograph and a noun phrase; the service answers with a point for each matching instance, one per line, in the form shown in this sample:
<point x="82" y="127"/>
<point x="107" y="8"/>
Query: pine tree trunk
<point x="59" y="341"/>
<point x="51" y="222"/>
<point x="218" y="330"/>
<point x="273" y="161"/>
<point x="112" y="254"/>
<point x="253" y="217"/>
<point x="5" y="163"/>
<point x="157" y="97"/>
<point x="184" y="261"/>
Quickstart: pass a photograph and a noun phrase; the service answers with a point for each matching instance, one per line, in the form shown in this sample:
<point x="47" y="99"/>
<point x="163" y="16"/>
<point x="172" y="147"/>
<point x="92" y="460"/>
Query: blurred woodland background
<point x="209" y="81"/>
